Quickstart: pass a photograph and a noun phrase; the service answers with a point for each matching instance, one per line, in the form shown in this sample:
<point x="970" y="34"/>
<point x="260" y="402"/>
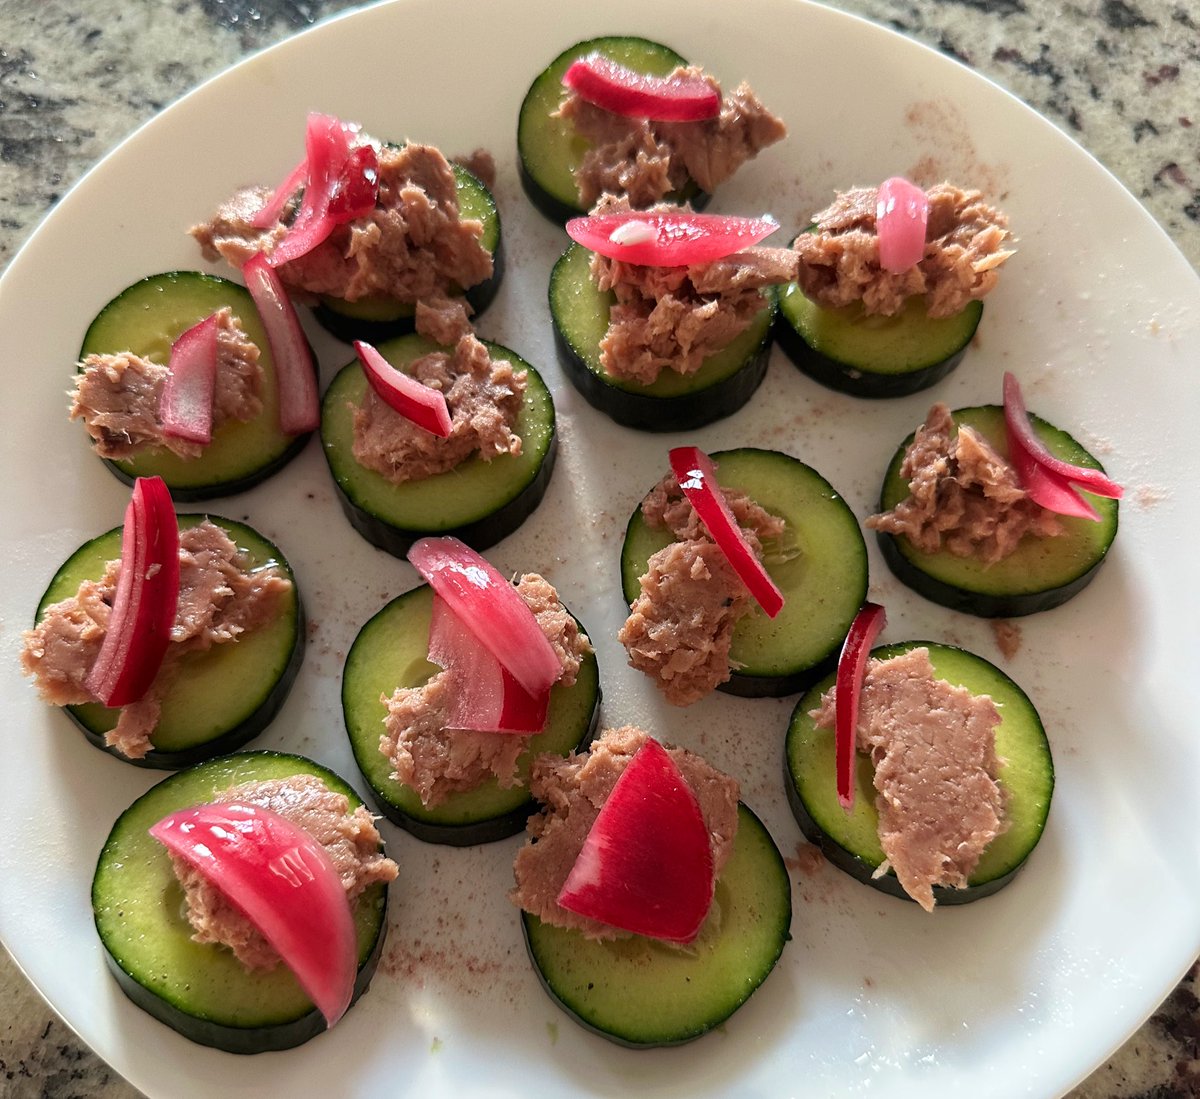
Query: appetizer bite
<point x="923" y="771"/>
<point x="662" y="318"/>
<point x="365" y="230"/>
<point x="979" y="511"/>
<point x="452" y="689"/>
<point x="890" y="284"/>
<point x="653" y="902"/>
<point x="629" y="117"/>
<point x="452" y="438"/>
<point x="202" y="930"/>
<point x="747" y="584"/>
<point x="181" y="377"/>
<point x="171" y="639"/>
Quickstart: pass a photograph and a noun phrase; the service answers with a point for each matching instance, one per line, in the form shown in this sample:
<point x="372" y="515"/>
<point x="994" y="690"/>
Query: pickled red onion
<point x="186" y="405"/>
<point x="901" y="218"/>
<point x="613" y="87"/>
<point x="673" y="238"/>
<point x="852" y="664"/>
<point x="424" y="406"/>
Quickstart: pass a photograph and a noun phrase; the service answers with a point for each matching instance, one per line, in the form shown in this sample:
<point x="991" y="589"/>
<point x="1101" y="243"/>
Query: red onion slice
<point x="186" y="405"/>
<point x="615" y="88"/>
<point x="901" y="218"/>
<point x="851" y="669"/>
<point x="424" y="406"/>
<point x="668" y="238"/>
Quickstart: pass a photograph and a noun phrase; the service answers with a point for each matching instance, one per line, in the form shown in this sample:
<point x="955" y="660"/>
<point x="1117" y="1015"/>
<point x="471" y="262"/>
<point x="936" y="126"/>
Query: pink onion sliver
<point x="852" y="664"/>
<point x="668" y="238"/>
<point x="283" y="881"/>
<point x="615" y="88"/>
<point x="491" y="608"/>
<point x="186" y="405"/>
<point x="1048" y="489"/>
<point x="424" y="406"/>
<point x="901" y="218"/>
<point x="299" y="407"/>
<point x="697" y="477"/>
<point x="273" y="207"/>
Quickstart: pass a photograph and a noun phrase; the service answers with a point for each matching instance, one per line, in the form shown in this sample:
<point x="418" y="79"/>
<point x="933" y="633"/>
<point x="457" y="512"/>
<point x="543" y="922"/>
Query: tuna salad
<point x="437" y="761"/>
<point x="118" y="396"/>
<point x="484" y="397"/>
<point x="964" y="497"/>
<point x="350" y="839"/>
<point x="933" y="746"/>
<point x="965" y="245"/>
<point x="681" y="624"/>
<point x="673" y="318"/>
<point x="572" y="791"/>
<point x="219" y="600"/>
<point x="412" y="246"/>
<point x="645" y="160"/>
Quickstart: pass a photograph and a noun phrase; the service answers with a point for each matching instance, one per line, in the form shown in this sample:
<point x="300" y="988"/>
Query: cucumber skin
<point x="232" y="1039"/>
<point x="692" y="1032"/>
<point x="865" y="872"/>
<point x="843" y="377"/>
<point x="661" y="414"/>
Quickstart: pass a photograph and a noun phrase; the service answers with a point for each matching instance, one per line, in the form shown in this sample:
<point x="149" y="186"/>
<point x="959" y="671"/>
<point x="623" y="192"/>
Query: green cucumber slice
<point x="389" y="652"/>
<point x="1041" y="574"/>
<point x="851" y="840"/>
<point x="639" y="992"/>
<point x="549" y="149"/>
<point x="225" y="696"/>
<point x="201" y="990"/>
<point x="673" y="402"/>
<point x="146" y="318"/>
<point x="872" y="356"/>
<point x="824" y="579"/>
<point x="378" y="319"/>
<point x="479" y="502"/>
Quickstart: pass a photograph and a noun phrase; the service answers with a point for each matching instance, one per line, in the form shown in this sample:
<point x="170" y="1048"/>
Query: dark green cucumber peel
<point x="146" y="318"/>
<point x="389" y="652"/>
<point x="868" y="356"/>
<point x="673" y="402"/>
<point x="1043" y="572"/>
<point x="201" y="990"/>
<point x="549" y="151"/>
<point x="224" y="697"/>
<point x="479" y="502"/>
<point x="640" y="993"/>
<point x="823" y="579"/>
<point x="851" y="841"/>
<point x="375" y="320"/>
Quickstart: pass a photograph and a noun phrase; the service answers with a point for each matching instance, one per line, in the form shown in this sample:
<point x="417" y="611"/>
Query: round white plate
<point x="1098" y="315"/>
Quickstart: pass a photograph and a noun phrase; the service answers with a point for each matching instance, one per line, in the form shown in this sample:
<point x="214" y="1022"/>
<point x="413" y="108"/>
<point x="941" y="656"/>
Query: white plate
<point x="1098" y="314"/>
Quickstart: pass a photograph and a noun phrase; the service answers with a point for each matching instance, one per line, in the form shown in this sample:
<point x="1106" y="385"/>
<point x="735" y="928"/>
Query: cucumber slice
<point x="851" y="840"/>
<point x="146" y="318"/>
<point x="639" y="992"/>
<point x="823" y="579"/>
<point x="549" y="148"/>
<point x="1041" y="574"/>
<point x="201" y="990"/>
<point x="389" y="652"/>
<point x="872" y="356"/>
<point x="673" y="402"/>
<point x="223" y="697"/>
<point x="477" y="501"/>
<point x="378" y="319"/>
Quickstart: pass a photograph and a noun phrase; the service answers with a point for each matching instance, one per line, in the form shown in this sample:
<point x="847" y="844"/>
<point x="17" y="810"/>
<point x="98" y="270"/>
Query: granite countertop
<point x="1121" y="77"/>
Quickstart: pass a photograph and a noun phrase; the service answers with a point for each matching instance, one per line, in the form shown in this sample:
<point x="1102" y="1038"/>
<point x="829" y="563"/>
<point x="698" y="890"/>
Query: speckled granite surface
<point x="1122" y="77"/>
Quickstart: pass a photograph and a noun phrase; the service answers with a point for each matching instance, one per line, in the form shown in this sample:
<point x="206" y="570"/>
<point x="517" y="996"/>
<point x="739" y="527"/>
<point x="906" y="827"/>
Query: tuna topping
<point x="680" y="626"/>
<point x="964" y="496"/>
<point x="673" y="318"/>
<point x="933" y="746"/>
<point x="117" y="396"/>
<point x="350" y="839"/>
<point x="484" y="397"/>
<point x="412" y="246"/>
<point x="218" y="601"/>
<point x="645" y="161"/>
<point x="436" y="761"/>
<point x="572" y="790"/>
<point x="964" y="249"/>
